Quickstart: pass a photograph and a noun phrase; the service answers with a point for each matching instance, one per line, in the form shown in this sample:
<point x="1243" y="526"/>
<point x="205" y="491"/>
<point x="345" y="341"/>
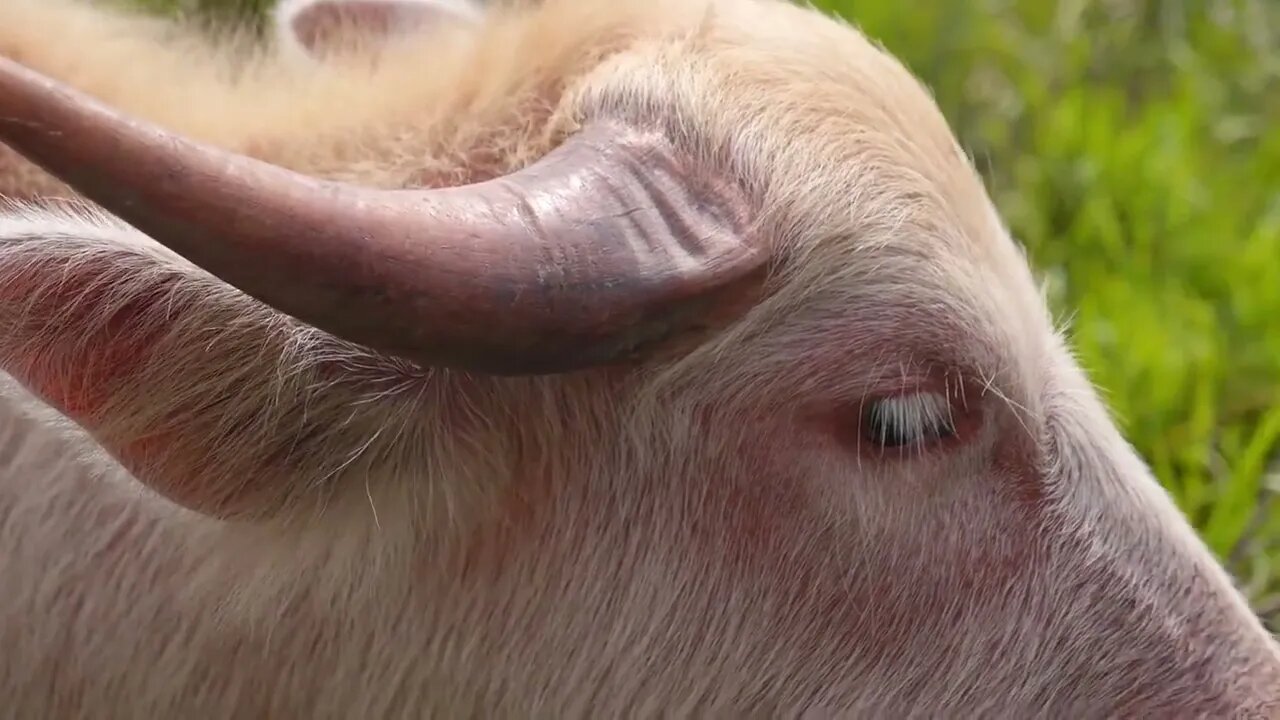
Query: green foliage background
<point x="1132" y="145"/>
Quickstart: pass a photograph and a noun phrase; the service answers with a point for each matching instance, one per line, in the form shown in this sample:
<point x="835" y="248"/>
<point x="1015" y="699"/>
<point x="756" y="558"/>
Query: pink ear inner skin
<point x="326" y="23"/>
<point x="323" y="23"/>
<point x="92" y="367"/>
<point x="89" y="367"/>
<point x="73" y="360"/>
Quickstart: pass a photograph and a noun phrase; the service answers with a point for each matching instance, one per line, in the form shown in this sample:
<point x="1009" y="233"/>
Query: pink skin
<point x="82" y="372"/>
<point x="321" y="26"/>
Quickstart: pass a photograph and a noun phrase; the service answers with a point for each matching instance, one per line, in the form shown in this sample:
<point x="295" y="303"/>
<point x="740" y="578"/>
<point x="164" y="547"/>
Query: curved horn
<point x="605" y="246"/>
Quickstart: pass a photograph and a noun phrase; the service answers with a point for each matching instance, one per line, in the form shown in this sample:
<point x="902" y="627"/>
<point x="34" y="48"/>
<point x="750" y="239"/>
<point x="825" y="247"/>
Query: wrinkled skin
<point x="717" y="529"/>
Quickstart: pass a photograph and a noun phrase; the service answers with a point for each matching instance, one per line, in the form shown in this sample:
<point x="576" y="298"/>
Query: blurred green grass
<point x="1131" y="146"/>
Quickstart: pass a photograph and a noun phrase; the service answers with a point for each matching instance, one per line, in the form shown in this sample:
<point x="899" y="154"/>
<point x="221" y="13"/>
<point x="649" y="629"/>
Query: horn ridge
<point x="609" y="244"/>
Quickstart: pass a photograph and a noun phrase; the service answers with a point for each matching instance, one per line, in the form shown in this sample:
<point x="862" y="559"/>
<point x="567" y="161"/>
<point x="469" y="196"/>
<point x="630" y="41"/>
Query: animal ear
<point x="198" y="391"/>
<point x="322" y="27"/>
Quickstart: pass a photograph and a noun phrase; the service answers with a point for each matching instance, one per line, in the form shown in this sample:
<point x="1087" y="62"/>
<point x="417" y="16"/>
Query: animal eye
<point x="904" y="420"/>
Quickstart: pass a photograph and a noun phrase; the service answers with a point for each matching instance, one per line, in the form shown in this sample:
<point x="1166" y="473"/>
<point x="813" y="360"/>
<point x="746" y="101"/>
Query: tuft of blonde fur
<point x="689" y="536"/>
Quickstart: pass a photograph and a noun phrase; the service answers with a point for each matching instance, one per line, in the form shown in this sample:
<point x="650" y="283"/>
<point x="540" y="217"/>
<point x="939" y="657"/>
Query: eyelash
<point x="903" y="421"/>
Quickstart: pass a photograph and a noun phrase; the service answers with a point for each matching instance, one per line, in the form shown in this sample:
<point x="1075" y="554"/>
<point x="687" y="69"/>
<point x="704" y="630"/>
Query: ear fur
<point x="320" y="28"/>
<point x="165" y="368"/>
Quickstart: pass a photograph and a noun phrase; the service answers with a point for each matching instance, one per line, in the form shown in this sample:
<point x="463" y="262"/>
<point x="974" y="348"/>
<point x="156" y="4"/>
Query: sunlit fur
<point x="702" y="534"/>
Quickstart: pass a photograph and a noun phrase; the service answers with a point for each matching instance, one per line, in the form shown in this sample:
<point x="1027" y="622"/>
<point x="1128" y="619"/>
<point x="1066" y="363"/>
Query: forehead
<point x="869" y="192"/>
<point x="839" y="129"/>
